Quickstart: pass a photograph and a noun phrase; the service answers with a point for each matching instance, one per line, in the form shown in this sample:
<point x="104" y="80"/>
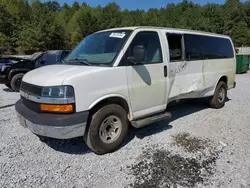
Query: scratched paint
<point x="185" y="77"/>
<point x="192" y="79"/>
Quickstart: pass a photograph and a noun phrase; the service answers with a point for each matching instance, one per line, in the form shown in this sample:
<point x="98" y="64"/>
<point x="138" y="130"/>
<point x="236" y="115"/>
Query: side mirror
<point x="138" y="54"/>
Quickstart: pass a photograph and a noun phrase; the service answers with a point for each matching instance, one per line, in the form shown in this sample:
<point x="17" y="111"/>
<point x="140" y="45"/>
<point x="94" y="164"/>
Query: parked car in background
<point x="4" y="62"/>
<point x="52" y="57"/>
<point x="11" y="74"/>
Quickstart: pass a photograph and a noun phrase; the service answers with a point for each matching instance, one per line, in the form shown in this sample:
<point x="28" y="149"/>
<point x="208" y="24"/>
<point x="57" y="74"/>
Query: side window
<point x="175" y="47"/>
<point x="217" y="48"/>
<point x="200" y="47"/>
<point x="194" y="47"/>
<point x="150" y="40"/>
<point x="40" y="59"/>
<point x="38" y="62"/>
<point x="50" y="59"/>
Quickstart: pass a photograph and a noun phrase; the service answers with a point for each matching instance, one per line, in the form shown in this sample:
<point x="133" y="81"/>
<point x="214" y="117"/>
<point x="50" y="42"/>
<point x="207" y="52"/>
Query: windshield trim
<point x="122" y="46"/>
<point x="111" y="63"/>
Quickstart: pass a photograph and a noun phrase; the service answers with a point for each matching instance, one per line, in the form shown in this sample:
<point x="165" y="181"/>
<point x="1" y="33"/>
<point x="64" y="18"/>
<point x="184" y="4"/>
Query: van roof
<point x="168" y="29"/>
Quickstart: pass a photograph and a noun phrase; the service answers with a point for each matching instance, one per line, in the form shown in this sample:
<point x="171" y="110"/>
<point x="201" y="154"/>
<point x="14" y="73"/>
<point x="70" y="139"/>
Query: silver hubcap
<point x="110" y="129"/>
<point x="222" y="95"/>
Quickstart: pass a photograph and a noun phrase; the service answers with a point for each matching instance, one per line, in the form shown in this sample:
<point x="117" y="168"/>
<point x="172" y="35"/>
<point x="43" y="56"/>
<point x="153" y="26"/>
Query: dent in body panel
<point x="175" y="70"/>
<point x="192" y="83"/>
<point x="186" y="79"/>
<point x="190" y="95"/>
<point x="179" y="68"/>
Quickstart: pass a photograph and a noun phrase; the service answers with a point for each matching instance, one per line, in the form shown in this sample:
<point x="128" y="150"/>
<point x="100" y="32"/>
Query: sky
<point x="137" y="4"/>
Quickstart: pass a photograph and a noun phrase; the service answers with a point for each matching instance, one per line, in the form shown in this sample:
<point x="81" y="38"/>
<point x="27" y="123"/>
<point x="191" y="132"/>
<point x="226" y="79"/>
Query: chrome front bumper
<point x="60" y="126"/>
<point x="59" y="132"/>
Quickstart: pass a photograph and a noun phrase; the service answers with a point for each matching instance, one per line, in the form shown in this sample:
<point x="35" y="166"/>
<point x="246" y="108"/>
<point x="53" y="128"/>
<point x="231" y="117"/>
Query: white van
<point x="125" y="76"/>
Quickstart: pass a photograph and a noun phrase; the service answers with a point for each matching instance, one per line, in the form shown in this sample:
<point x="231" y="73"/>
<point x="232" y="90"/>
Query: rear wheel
<point x="15" y="82"/>
<point x="107" y="129"/>
<point x="220" y="95"/>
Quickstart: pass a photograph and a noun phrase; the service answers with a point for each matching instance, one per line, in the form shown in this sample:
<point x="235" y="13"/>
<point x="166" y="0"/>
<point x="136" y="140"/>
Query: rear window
<point x="200" y="47"/>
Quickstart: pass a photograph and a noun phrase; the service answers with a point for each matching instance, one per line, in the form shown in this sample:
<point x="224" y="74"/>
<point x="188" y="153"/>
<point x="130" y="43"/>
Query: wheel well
<point x="12" y="74"/>
<point x="112" y="100"/>
<point x="224" y="79"/>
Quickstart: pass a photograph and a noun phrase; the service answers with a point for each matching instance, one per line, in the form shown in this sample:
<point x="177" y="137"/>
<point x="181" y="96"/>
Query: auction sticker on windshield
<point x="117" y="35"/>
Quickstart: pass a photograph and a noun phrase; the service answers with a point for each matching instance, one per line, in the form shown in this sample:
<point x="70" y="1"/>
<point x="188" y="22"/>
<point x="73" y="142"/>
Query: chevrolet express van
<point x="124" y="77"/>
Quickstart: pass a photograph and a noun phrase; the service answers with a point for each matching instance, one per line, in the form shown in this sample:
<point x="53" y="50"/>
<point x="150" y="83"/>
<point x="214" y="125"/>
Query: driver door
<point x="147" y="80"/>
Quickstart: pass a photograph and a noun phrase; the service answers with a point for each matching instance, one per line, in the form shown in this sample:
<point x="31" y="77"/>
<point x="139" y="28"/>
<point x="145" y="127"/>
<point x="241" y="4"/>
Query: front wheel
<point x="220" y="95"/>
<point x="15" y="82"/>
<point x="107" y="129"/>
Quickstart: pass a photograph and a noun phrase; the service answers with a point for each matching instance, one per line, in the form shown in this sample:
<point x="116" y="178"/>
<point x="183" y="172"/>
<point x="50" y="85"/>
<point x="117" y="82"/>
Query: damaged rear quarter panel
<point x="197" y="79"/>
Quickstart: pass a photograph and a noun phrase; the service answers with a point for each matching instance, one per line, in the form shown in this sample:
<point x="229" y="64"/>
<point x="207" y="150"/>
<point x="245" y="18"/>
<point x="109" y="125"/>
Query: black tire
<point x="8" y="86"/>
<point x="218" y="102"/>
<point x="92" y="134"/>
<point x="16" y="82"/>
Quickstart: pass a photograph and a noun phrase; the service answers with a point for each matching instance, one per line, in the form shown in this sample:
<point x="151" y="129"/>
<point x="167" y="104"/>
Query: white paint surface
<point x="144" y="87"/>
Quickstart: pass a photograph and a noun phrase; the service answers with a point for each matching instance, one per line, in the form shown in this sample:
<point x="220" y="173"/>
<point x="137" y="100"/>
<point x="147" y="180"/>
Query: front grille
<point x="37" y="90"/>
<point x="32" y="89"/>
<point x="31" y="105"/>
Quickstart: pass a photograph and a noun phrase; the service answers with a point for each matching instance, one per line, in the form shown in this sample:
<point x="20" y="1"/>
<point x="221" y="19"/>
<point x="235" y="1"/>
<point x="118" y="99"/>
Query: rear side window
<point x="49" y="59"/>
<point x="199" y="47"/>
<point x="175" y="47"/>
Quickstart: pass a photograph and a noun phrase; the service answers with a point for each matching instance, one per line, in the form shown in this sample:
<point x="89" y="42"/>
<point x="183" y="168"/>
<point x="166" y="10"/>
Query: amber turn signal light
<point x="66" y="108"/>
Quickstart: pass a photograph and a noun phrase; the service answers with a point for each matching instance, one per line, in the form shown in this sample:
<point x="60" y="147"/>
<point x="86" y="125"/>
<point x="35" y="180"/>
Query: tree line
<point x="27" y="26"/>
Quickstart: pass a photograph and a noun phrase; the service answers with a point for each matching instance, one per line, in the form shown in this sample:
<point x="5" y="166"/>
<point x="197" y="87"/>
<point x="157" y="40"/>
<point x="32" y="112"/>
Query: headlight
<point x="61" y="92"/>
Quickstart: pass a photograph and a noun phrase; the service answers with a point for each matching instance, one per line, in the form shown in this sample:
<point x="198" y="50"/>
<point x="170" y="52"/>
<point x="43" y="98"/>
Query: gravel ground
<point x="7" y="97"/>
<point x="199" y="147"/>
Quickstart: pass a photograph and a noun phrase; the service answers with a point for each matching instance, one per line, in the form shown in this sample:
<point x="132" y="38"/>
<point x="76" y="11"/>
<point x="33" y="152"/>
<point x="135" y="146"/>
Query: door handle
<point x="165" y="71"/>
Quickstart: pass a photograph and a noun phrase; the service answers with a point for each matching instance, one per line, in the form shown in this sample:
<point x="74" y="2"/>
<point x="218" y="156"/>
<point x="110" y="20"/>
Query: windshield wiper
<point x="103" y="64"/>
<point x="82" y="61"/>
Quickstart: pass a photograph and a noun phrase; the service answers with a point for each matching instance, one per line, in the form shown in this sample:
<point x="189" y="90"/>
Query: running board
<point x="150" y="120"/>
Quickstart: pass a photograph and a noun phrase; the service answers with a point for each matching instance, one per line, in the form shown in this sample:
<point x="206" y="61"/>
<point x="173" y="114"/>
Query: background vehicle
<point x="4" y="62"/>
<point x="11" y="74"/>
<point x="135" y="73"/>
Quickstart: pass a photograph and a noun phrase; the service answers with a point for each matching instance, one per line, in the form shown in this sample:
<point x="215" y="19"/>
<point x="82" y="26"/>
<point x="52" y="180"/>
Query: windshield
<point x="35" y="55"/>
<point x="98" y="48"/>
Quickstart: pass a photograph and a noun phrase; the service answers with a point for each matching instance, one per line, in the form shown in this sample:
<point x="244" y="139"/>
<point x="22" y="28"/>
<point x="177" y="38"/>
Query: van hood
<point x="52" y="75"/>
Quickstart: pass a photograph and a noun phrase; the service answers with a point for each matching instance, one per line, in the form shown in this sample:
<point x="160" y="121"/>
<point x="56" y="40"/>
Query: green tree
<point x="27" y="26"/>
<point x="110" y="16"/>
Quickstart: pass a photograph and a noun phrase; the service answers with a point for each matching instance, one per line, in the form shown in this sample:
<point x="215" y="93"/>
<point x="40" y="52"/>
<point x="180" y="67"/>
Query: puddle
<point x="162" y="168"/>
<point x="190" y="144"/>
